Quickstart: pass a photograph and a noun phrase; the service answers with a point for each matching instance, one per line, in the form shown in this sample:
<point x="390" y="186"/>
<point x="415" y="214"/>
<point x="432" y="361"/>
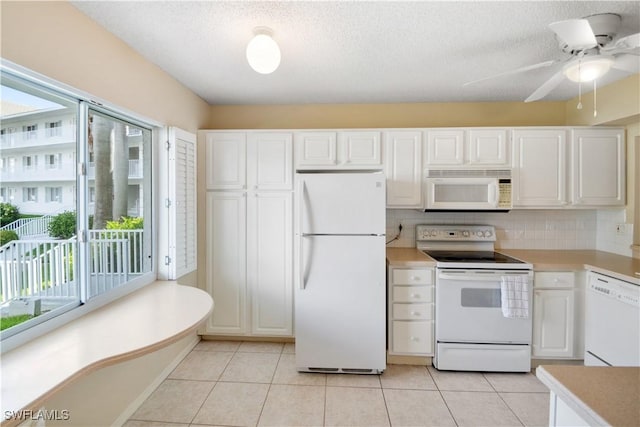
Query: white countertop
<point x="142" y="322"/>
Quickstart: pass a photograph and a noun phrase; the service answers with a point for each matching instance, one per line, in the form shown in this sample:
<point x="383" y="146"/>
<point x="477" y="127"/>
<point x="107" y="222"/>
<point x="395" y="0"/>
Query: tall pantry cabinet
<point x="249" y="208"/>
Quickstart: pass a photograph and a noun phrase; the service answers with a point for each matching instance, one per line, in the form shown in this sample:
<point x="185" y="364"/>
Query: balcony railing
<point x="46" y="268"/>
<point x="135" y="169"/>
<point x="39" y="137"/>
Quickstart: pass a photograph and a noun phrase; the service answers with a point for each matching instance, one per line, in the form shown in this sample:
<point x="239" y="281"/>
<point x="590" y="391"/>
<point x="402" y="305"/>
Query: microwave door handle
<point x="494" y="194"/>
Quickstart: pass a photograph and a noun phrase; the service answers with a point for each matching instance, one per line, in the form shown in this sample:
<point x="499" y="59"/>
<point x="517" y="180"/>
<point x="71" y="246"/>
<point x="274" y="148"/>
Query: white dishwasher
<point x="612" y="322"/>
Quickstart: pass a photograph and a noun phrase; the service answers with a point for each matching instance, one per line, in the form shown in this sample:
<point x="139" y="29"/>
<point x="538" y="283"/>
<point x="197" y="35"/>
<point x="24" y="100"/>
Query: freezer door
<point x="341" y="203"/>
<point x="340" y="305"/>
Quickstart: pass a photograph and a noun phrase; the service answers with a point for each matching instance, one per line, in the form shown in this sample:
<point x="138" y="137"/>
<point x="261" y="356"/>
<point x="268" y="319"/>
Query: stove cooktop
<point x="489" y="257"/>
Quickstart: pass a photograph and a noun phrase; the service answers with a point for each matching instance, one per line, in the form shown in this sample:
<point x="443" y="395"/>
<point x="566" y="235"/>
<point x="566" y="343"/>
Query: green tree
<point x="63" y="226"/>
<point x="8" y="213"/>
<point x="7" y="236"/>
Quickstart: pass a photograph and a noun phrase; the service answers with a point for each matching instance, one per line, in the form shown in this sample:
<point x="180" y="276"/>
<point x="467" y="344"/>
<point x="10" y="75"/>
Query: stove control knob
<point x="465" y="234"/>
<point x="488" y="233"/>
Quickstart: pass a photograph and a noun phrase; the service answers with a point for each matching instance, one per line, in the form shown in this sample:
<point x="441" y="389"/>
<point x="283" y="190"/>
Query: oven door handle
<point x="477" y="277"/>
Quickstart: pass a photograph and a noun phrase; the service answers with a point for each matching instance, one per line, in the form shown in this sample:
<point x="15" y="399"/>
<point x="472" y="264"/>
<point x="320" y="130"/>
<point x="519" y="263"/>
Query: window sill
<point x="140" y="323"/>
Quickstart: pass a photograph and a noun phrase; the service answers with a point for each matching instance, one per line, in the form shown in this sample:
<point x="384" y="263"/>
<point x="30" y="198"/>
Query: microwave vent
<point x="468" y="173"/>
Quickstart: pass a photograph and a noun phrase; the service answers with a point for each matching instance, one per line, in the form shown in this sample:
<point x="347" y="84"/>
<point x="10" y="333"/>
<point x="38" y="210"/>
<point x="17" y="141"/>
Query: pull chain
<point x="579" y="106"/>
<point x="595" y="110"/>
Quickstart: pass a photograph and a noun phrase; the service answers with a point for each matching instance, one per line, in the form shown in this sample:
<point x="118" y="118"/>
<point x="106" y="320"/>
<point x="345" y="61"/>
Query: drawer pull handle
<point x="415" y="295"/>
<point x="415" y="313"/>
<point x="414" y="339"/>
<point x="415" y="278"/>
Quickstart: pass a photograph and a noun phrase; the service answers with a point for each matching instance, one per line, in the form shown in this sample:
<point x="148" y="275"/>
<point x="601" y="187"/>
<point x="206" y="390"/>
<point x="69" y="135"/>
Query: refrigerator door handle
<point x="305" y="262"/>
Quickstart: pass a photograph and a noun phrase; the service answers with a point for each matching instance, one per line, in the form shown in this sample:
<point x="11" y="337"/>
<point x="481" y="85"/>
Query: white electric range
<point x="476" y="330"/>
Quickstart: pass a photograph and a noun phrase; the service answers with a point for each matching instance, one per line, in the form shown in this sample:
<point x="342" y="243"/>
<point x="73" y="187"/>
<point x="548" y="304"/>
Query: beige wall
<point x="386" y="115"/>
<point x="58" y="41"/>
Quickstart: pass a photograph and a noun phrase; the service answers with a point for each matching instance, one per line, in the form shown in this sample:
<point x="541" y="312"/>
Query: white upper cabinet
<point x="467" y="147"/>
<point x="403" y="168"/>
<point x="360" y="148"/>
<point x="270" y="161"/>
<point x="226" y="160"/>
<point x="488" y="147"/>
<point x="539" y="168"/>
<point x="598" y="167"/>
<point x="315" y="149"/>
<point x="338" y="150"/>
<point x="445" y="147"/>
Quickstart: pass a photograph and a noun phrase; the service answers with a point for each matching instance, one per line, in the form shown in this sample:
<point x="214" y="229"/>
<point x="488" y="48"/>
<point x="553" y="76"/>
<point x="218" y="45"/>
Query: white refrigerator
<point x="340" y="298"/>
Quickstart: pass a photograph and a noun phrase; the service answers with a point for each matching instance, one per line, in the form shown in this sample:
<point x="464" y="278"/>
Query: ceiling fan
<point x="592" y="49"/>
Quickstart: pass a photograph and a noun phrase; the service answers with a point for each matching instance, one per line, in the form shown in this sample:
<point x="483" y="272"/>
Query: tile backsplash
<point x="526" y="229"/>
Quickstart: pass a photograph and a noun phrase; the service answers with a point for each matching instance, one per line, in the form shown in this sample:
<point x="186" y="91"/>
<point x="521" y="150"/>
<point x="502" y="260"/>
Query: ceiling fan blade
<point x="628" y="63"/>
<point x="576" y="33"/>
<point x="517" y="70"/>
<point x="546" y="87"/>
<point x="629" y="42"/>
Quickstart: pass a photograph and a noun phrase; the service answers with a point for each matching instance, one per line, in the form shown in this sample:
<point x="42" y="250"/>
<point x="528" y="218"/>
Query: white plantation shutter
<point x="181" y="205"/>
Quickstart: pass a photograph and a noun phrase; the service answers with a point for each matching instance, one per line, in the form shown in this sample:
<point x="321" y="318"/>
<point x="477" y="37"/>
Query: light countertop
<point x="618" y="266"/>
<point x="146" y="320"/>
<point x="602" y="396"/>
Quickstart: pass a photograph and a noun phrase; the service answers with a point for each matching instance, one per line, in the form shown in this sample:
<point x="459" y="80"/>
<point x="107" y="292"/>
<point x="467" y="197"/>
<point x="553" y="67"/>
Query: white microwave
<point x="467" y="190"/>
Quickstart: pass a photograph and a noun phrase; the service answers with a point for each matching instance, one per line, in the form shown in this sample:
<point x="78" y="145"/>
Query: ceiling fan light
<point x="586" y="70"/>
<point x="263" y="53"/>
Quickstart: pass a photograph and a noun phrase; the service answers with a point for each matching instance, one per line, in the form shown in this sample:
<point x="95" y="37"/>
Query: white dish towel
<point x="515" y="297"/>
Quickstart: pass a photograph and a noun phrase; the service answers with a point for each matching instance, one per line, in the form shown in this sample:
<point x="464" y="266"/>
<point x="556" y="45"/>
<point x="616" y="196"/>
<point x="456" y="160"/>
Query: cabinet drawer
<point x="413" y="293"/>
<point x="408" y="276"/>
<point x="412" y="337"/>
<point x="554" y="279"/>
<point x="413" y="311"/>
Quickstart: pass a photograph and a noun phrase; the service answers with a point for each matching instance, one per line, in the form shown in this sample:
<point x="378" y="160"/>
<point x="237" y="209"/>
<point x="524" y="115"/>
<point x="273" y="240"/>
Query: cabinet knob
<point x="414" y="278"/>
<point x="415" y="313"/>
<point x="415" y="295"/>
<point x="414" y="339"/>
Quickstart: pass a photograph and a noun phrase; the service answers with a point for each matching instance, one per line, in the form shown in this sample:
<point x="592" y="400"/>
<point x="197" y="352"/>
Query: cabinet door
<point x="226" y="163"/>
<point x="539" y="168"/>
<point x="403" y="169"/>
<point x="488" y="147"/>
<point x="226" y="261"/>
<point x="598" y="166"/>
<point x="445" y="147"/>
<point x="316" y="149"/>
<point x="270" y="161"/>
<point x="269" y="265"/>
<point x="553" y="323"/>
<point x="360" y="149"/>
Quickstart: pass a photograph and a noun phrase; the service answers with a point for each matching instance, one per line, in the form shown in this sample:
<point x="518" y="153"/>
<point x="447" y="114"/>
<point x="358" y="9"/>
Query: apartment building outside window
<point x="29" y="162"/>
<point x="52" y="161"/>
<point x="6" y="134"/>
<point x="54" y="128"/>
<point x="53" y="194"/>
<point x="30" y="131"/>
<point x="30" y="194"/>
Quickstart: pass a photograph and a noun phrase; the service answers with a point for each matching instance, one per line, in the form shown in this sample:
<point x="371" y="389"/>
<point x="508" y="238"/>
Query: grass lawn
<point x="7" y="322"/>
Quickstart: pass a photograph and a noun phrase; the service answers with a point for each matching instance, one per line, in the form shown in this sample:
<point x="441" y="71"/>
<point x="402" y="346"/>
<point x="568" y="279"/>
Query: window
<point x="7" y="134"/>
<point x="58" y="273"/>
<point x="29" y="162"/>
<point x="53" y="194"/>
<point x="3" y="195"/>
<point x="3" y="163"/>
<point x="54" y="128"/>
<point x="30" y="194"/>
<point x="52" y="161"/>
<point x="30" y="132"/>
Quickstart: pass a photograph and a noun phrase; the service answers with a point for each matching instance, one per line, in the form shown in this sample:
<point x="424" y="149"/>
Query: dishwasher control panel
<point x="622" y="291"/>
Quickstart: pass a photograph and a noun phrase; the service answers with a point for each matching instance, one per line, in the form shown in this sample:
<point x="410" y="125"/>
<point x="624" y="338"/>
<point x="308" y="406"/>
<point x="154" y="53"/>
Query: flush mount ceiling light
<point x="263" y="52"/>
<point x="588" y="69"/>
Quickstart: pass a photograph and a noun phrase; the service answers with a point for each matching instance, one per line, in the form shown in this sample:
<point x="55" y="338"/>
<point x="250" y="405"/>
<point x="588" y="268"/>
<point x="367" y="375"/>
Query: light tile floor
<point x="225" y="383"/>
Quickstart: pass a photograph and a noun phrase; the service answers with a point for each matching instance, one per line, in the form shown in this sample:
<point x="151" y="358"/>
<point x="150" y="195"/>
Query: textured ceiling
<point x="355" y="51"/>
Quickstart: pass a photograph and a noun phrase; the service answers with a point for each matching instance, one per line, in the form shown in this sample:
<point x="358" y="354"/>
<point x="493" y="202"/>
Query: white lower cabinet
<point x="557" y="316"/>
<point x="411" y="311"/>
<point x="249" y="256"/>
